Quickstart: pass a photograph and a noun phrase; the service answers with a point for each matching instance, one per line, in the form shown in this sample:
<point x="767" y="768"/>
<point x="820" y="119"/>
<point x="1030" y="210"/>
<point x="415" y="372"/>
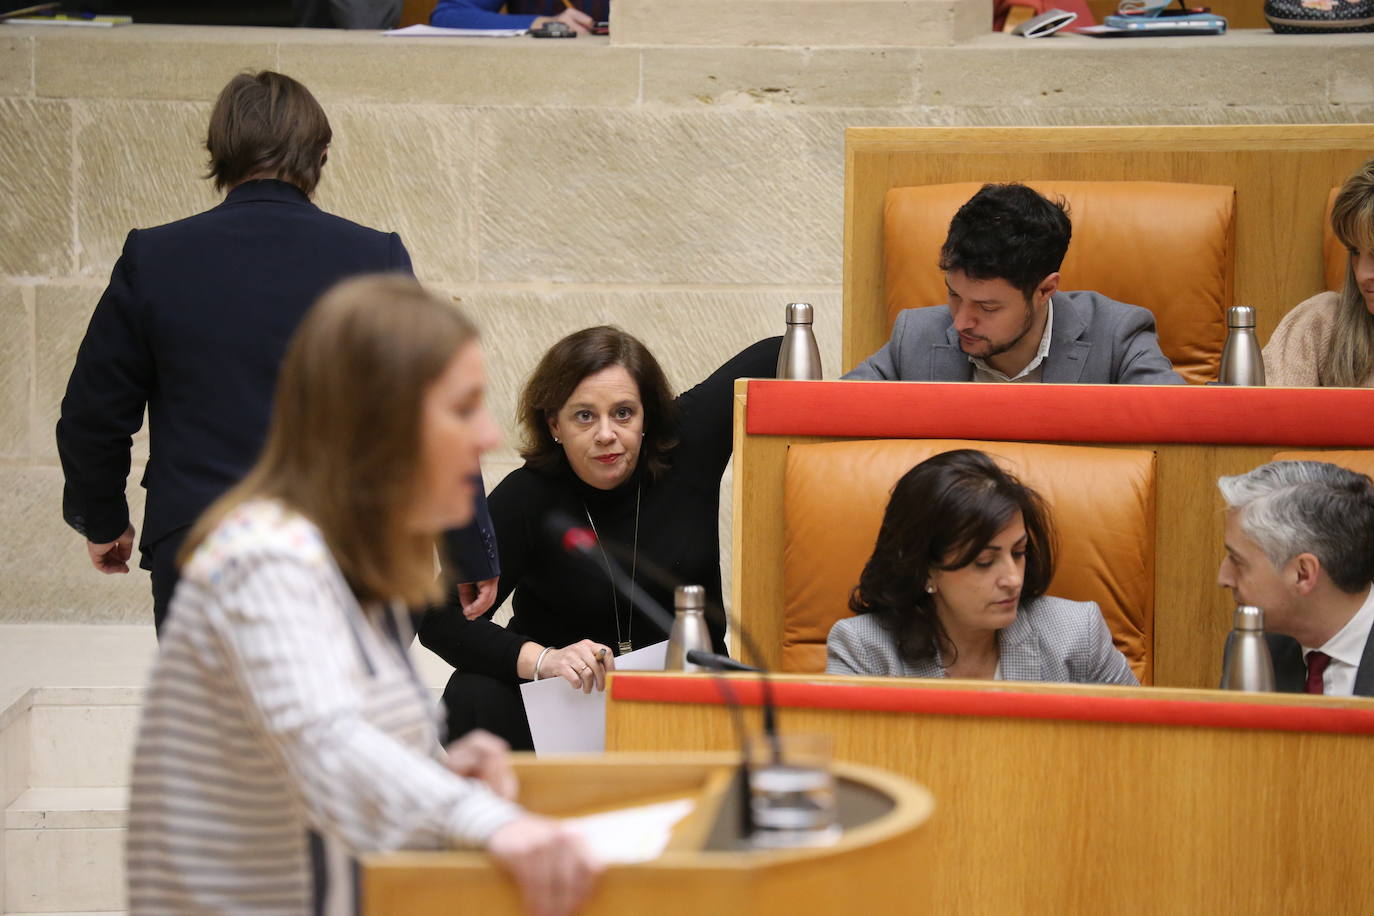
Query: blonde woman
<point x="284" y="730"/>
<point x="1328" y="340"/>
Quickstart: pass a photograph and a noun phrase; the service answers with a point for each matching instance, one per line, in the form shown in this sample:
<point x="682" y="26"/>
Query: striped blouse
<point x="284" y="732"/>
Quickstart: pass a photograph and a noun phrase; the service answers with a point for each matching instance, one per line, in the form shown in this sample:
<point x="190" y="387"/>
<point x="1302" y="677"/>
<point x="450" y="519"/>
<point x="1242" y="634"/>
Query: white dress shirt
<point x="1345" y="649"/>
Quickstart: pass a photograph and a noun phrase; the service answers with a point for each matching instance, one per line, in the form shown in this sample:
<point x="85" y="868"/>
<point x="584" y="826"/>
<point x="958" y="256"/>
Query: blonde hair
<point x="344" y="442"/>
<point x="1351" y="357"/>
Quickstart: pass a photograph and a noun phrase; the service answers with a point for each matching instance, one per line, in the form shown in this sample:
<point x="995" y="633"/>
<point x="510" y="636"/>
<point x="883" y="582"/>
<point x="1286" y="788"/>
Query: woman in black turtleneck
<point x="607" y="446"/>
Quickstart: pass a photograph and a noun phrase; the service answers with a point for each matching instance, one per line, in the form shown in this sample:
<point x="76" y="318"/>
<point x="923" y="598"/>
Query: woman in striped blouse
<point x="284" y="731"/>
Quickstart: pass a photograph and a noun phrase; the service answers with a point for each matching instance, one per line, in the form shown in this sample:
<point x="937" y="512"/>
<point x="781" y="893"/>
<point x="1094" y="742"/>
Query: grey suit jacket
<point x="1051" y="639"/>
<point x="1094" y="341"/>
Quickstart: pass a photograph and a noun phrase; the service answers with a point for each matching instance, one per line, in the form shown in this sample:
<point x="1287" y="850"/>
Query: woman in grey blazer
<point x="956" y="583"/>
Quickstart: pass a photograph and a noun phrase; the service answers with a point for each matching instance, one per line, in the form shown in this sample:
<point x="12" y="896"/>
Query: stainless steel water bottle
<point x="689" y="628"/>
<point x="1247" y="664"/>
<point x="1241" y="362"/>
<point x="800" y="357"/>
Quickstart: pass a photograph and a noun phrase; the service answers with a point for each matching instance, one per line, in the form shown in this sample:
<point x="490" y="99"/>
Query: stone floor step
<point x="64" y="850"/>
<point x="68" y="809"/>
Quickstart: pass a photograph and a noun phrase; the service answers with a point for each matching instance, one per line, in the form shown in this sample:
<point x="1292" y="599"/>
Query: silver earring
<point x="930" y="588"/>
<point x="557" y="441"/>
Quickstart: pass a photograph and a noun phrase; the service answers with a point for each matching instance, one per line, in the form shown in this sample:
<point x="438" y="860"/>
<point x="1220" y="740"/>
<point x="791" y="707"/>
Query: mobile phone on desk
<point x="1188" y="24"/>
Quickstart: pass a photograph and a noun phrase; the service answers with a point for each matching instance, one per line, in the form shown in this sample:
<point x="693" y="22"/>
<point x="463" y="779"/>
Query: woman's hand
<point x="576" y="20"/>
<point x="552" y="866"/>
<point x="583" y="664"/>
<point x="483" y="756"/>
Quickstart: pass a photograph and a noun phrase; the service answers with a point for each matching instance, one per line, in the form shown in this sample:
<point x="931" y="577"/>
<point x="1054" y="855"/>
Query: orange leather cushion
<point x="1165" y="246"/>
<point x="1361" y="462"/>
<point x="1334" y="256"/>
<point x="1102" y="499"/>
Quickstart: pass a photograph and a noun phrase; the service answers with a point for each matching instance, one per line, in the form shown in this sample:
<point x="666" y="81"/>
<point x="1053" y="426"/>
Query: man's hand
<point x="113" y="557"/>
<point x="551" y="865"/>
<point x="477" y="597"/>
<point x="483" y="756"/>
<point x="576" y="20"/>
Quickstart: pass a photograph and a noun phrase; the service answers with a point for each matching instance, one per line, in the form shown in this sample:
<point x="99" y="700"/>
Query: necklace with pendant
<point x="625" y="643"/>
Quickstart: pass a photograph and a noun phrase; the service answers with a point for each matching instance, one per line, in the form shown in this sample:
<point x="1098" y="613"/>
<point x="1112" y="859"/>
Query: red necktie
<point x="1316" y="665"/>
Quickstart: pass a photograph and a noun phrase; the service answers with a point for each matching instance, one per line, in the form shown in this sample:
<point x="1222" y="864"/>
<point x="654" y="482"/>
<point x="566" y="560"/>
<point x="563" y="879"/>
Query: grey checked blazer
<point x="1051" y="639"/>
<point x="1095" y="341"/>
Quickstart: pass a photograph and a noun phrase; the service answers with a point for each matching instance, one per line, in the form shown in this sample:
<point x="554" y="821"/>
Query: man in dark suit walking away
<point x="1300" y="546"/>
<point x="194" y="324"/>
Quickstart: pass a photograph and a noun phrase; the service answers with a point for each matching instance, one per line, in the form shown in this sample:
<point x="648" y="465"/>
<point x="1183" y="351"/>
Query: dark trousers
<point x="478" y="701"/>
<point x="160" y="560"/>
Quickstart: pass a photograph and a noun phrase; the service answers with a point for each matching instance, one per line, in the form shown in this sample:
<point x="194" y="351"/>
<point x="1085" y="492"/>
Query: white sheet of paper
<point x="564" y="720"/>
<point x="628" y="835"/>
<point x="431" y="31"/>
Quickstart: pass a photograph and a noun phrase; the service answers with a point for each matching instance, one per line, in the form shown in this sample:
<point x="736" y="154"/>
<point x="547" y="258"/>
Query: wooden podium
<point x="706" y="868"/>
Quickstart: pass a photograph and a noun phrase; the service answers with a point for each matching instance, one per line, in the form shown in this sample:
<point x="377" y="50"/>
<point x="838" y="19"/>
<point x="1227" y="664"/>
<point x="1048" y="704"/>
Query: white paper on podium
<point x="564" y="720"/>
<point x="432" y="31"/>
<point x="628" y="835"/>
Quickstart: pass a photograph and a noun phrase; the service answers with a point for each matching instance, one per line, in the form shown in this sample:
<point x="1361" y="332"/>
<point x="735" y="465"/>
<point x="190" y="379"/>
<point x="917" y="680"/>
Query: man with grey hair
<point x="1300" y="546"/>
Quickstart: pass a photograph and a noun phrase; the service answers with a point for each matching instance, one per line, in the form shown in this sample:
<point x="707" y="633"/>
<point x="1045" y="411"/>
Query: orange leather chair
<point x="1102" y="501"/>
<point x="1335" y="258"/>
<point x="1361" y="461"/>
<point x="1168" y="247"/>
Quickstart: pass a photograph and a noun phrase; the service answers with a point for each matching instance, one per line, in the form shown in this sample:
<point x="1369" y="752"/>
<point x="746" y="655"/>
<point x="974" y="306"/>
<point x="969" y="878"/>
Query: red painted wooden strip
<point x="1146" y="708"/>
<point x="1335" y="417"/>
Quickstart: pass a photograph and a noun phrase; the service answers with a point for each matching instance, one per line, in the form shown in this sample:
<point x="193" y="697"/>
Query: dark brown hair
<point x="267" y="125"/>
<point x="563" y="368"/>
<point x="942" y="514"/>
<point x="1009" y="232"/>
<point x="343" y="448"/>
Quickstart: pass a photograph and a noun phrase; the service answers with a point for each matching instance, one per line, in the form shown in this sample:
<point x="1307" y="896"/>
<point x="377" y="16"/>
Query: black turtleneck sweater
<point x="557" y="599"/>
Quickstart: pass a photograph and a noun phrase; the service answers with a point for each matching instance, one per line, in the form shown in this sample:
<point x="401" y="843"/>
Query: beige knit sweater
<point x="1294" y="353"/>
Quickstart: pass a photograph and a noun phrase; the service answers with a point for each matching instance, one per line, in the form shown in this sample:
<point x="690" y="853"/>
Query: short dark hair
<point x="563" y="368"/>
<point x="267" y="124"/>
<point x="1008" y="232"/>
<point x="942" y="514"/>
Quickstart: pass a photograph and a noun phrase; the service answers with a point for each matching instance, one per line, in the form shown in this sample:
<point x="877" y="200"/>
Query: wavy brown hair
<point x="563" y="368"/>
<point x="344" y="443"/>
<point x="1351" y="357"/>
<point x="942" y="514"/>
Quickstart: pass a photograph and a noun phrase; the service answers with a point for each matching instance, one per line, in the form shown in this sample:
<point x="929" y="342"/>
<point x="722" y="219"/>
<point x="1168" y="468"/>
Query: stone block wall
<point x="685" y="193"/>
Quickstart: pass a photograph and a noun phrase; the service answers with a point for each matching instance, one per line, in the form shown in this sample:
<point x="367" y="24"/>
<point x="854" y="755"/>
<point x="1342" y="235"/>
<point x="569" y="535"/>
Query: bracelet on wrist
<point x="540" y="660"/>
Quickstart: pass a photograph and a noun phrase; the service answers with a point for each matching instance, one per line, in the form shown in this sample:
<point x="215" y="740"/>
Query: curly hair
<point x="942" y="514"/>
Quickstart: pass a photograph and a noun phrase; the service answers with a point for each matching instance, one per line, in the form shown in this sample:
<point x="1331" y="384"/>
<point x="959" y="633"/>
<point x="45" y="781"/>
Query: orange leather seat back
<point x="1165" y="246"/>
<point x="1335" y="259"/>
<point x="1361" y="461"/>
<point x="1102" y="501"/>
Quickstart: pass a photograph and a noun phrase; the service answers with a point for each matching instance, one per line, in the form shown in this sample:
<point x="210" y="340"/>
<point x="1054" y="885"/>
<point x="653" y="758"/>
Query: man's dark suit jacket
<point x="1290" y="671"/>
<point x="194" y="325"/>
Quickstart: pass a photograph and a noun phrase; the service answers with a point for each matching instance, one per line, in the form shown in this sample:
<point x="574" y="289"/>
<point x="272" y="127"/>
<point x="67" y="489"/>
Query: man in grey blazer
<point x="1300" y="546"/>
<point x="1007" y="320"/>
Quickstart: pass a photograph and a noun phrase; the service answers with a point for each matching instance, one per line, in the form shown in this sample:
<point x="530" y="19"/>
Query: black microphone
<point x="581" y="541"/>
<point x="718" y="662"/>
